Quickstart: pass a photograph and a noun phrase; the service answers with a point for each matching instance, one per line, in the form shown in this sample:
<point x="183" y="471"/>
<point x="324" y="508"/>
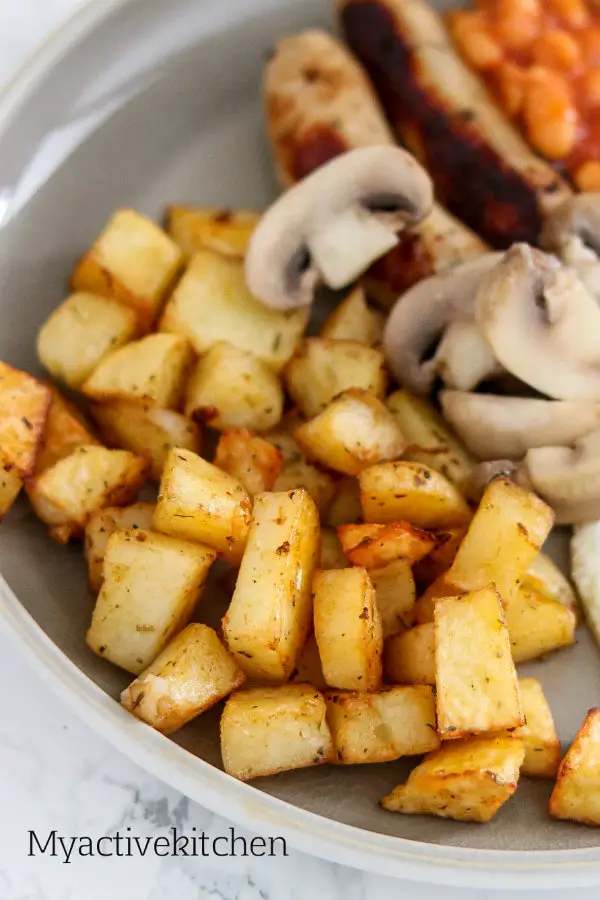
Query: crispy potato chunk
<point x="373" y="728"/>
<point x="252" y="460"/>
<point x="80" y="333"/>
<point x="409" y="658"/>
<point x="477" y="687"/>
<point x="322" y="369"/>
<point x="192" y="673"/>
<point x="576" y="794"/>
<point x="354" y="320"/>
<point x="395" y="591"/>
<point x="10" y="485"/>
<point x="99" y="529"/>
<point x="465" y="780"/>
<point x="67" y="495"/>
<point x="24" y="405"/>
<point x="537" y="625"/>
<point x="345" y="508"/>
<point x="152" y="584"/>
<point x="269" y="730"/>
<point x="348" y="629"/>
<point x="374" y="546"/>
<point x="65" y="430"/>
<point x="269" y="618"/>
<point x="212" y="303"/>
<point x="353" y="432"/>
<point x="332" y="554"/>
<point x="545" y="578"/>
<point x="297" y="472"/>
<point x="133" y="261"/>
<point x="440" y="559"/>
<point x="542" y="747"/>
<point x="308" y="666"/>
<point x="199" y="502"/>
<point x="150" y="371"/>
<point x="225" y="231"/>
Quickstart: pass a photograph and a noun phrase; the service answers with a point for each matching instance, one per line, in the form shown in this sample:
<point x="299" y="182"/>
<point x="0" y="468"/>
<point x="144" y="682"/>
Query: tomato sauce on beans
<point x="541" y="60"/>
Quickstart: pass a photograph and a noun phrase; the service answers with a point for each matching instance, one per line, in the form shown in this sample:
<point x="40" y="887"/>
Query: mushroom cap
<point x="423" y="313"/>
<point x="542" y="324"/>
<point x="333" y="225"/>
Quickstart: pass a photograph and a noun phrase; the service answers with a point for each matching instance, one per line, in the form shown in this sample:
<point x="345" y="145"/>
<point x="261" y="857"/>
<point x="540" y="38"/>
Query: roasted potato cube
<point x="67" y="495"/>
<point x="80" y="333"/>
<point x="353" y="432"/>
<point x="354" y="320"/>
<point x="308" y="666"/>
<point x="466" y="780"/>
<point x="411" y="492"/>
<point x="147" y="430"/>
<point x="537" y="625"/>
<point x="348" y="629"/>
<point x="375" y="546"/>
<point x="133" y="261"/>
<point x="104" y="523"/>
<point x="269" y="618"/>
<point x="150" y="371"/>
<point x="233" y="388"/>
<point x="269" y="730"/>
<point x="428" y="569"/>
<point x="395" y="592"/>
<point x="542" y="747"/>
<point x="65" y="430"/>
<point x="345" y="508"/>
<point x="252" y="460"/>
<point x="225" y="231"/>
<point x="282" y="437"/>
<point x="322" y="369"/>
<point x="545" y="578"/>
<point x="576" y="794"/>
<point x="409" y="658"/>
<point x="477" y="687"/>
<point x="199" y="502"/>
<point x="332" y="554"/>
<point x="10" y="485"/>
<point x="301" y="474"/>
<point x="192" y="673"/>
<point x="372" y="728"/>
<point x="152" y="584"/>
<point x="212" y="303"/>
<point x="24" y="405"/>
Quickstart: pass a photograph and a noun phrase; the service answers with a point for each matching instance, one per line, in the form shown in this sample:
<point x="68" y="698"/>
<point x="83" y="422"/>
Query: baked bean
<point x="512" y="81"/>
<point x="557" y="50"/>
<point x="550" y="115"/>
<point x="573" y="13"/>
<point x="518" y="22"/>
<point x="474" y="39"/>
<point x="587" y="176"/>
<point x="590" y="88"/>
<point x="589" y="41"/>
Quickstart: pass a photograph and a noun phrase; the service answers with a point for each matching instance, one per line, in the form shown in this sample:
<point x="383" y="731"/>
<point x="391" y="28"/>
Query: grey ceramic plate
<point x="146" y="102"/>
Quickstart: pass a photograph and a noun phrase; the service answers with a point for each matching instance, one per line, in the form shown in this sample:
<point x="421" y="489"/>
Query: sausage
<point x="481" y="167"/>
<point x="319" y="104"/>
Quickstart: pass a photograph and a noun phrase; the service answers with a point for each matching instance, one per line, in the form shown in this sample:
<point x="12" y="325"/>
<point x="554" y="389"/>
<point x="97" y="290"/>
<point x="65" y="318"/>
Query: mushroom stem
<point x="463" y="359"/>
<point x="346" y="245"/>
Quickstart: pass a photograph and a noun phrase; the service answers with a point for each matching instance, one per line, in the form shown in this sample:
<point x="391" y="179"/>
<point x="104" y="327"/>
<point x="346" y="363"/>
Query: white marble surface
<point x="57" y="774"/>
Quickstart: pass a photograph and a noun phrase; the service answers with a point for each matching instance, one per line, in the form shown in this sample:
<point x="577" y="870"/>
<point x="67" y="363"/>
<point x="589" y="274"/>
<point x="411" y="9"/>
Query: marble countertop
<point x="56" y="774"/>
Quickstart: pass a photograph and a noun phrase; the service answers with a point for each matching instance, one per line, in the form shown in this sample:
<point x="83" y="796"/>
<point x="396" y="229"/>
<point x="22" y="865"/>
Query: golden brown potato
<point x="476" y="679"/>
<point x="269" y="618"/>
<point x="297" y="472"/>
<point x="348" y="629"/>
<point x="576" y="794"/>
<point x="345" y="508"/>
<point x="332" y="554"/>
<point x="253" y="461"/>
<point x="80" y="333"/>
<point x="395" y="592"/>
<point x="104" y="523"/>
<point x="192" y="673"/>
<point x="464" y="780"/>
<point x="308" y="666"/>
<point x="542" y="747"/>
<point x="375" y="546"/>
<point x="354" y="320"/>
<point x="372" y="728"/>
<point x="409" y="658"/>
<point x="152" y="584"/>
<point x="225" y="231"/>
<point x="10" y="485"/>
<point x="440" y="559"/>
<point x="545" y="578"/>
<point x="65" y="430"/>
<point x="133" y="261"/>
<point x="269" y="730"/>
<point x="537" y="625"/>
<point x="24" y="405"/>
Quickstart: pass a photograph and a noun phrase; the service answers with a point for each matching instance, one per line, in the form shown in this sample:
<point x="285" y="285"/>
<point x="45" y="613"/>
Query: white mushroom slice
<point x="333" y="225"/>
<point x="463" y="360"/>
<point x="572" y="231"/>
<point x="542" y="324"/>
<point x="496" y="427"/>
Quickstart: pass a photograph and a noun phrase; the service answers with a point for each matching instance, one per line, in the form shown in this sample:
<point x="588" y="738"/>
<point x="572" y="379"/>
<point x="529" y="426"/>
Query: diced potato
<point x="354" y="320"/>
<point x="322" y="369"/>
<point x="24" y="405"/>
<point x="65" y="430"/>
<point x="411" y="492"/>
<point x="476" y="679"/>
<point x="345" y="508"/>
<point x="537" y="625"/>
<point x="375" y="546"/>
<point x="199" y="502"/>
<point x="542" y="747"/>
<point x="150" y="371"/>
<point x="67" y="495"/>
<point x="80" y="333"/>
<point x="332" y="554"/>
<point x="269" y="730"/>
<point x="151" y="587"/>
<point x="465" y="780"/>
<point x="576" y="794"/>
<point x="233" y="388"/>
<point x="301" y="474"/>
<point x="353" y="432"/>
<point x="253" y="461"/>
<point x="192" y="673"/>
<point x="104" y="523"/>
<point x="395" y="592"/>
<point x="212" y="303"/>
<point x="409" y="658"/>
<point x="348" y="629"/>
<point x="133" y="261"/>
<point x="429" y="439"/>
<point x="282" y="437"/>
<point x="308" y="666"/>
<point x="440" y="559"/>
<point x="269" y="618"/>
<point x="225" y="231"/>
<point x="545" y="578"/>
<point x="147" y="430"/>
<point x="10" y="485"/>
<point x="372" y="728"/>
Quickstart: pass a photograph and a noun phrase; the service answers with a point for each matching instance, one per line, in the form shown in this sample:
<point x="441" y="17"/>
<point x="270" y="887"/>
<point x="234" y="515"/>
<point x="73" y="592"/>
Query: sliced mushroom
<point x="331" y="227"/>
<point x="463" y="359"/>
<point x="542" y="324"/>
<point x="572" y="231"/>
<point x="423" y="313"/>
